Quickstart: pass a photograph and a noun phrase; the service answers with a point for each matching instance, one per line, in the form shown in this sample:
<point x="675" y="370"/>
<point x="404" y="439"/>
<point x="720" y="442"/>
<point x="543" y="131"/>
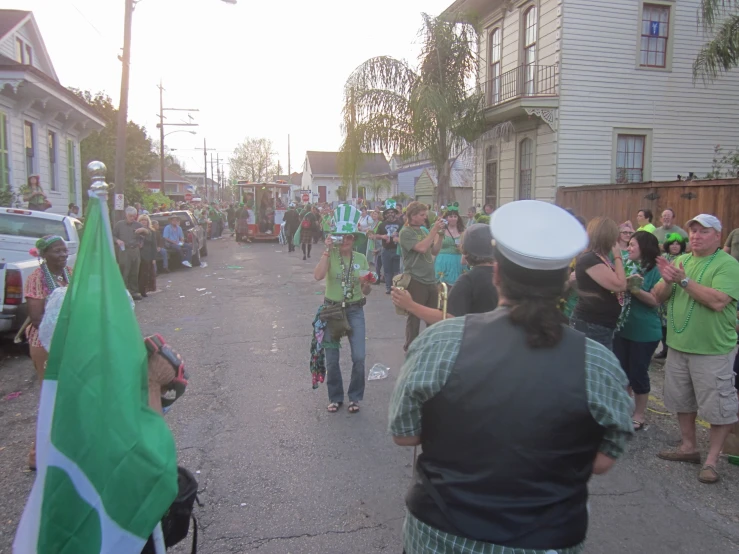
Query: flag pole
<point x="99" y="189"/>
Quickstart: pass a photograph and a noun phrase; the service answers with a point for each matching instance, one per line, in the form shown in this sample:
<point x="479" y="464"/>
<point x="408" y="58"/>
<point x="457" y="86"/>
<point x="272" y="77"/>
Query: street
<point x="278" y="474"/>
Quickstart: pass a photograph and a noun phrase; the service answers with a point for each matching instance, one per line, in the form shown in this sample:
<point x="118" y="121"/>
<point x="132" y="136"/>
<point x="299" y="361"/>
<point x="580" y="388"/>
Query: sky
<point x="264" y="68"/>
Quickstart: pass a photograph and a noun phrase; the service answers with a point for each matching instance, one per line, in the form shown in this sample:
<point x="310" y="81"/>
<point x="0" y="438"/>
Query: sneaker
<point x="186" y="264"/>
<point x="136" y="296"/>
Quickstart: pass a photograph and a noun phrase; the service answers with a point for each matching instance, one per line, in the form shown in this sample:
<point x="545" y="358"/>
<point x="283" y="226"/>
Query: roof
<point x="155" y="176"/>
<point x="294" y="178"/>
<point x="327" y="163"/>
<point x="9" y="64"/>
<point x="10" y="19"/>
<point x="197" y="179"/>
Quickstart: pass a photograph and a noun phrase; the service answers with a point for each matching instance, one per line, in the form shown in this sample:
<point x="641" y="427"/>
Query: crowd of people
<point x="580" y="317"/>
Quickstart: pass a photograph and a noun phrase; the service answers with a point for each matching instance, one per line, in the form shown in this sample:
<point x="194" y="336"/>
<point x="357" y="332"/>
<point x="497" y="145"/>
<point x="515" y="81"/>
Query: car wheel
<point x="196" y="258"/>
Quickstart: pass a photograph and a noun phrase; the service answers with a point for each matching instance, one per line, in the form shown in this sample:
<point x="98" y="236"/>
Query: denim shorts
<point x="598" y="333"/>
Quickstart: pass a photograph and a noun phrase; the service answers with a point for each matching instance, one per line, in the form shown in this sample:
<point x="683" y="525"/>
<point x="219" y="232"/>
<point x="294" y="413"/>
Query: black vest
<point x="509" y="442"/>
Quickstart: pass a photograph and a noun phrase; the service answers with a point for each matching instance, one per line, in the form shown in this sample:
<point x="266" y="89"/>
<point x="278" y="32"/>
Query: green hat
<point x="390" y="204"/>
<point x="346" y="220"/>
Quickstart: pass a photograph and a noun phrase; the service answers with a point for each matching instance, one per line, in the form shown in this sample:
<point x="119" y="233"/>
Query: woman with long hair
<point x="50" y="275"/>
<point x="637" y="340"/>
<point x="35" y="195"/>
<point x="673" y="247"/>
<point x="448" y="263"/>
<point x="601" y="283"/>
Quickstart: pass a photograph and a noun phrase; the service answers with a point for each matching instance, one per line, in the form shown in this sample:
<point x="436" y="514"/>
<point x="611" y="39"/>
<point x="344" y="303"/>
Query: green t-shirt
<point x="648" y="227"/>
<point x="334" y="291"/>
<point x="708" y="332"/>
<point x="733" y="243"/>
<point x="326" y="223"/>
<point x="420" y="266"/>
<point x="643" y="323"/>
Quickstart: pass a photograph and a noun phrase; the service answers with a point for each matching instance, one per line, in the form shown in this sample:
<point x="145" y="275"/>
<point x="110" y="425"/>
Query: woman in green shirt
<point x="635" y="343"/>
<point x="346" y="285"/>
<point x="673" y="247"/>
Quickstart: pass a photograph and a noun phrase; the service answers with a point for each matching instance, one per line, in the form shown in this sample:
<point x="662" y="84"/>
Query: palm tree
<point x="722" y="53"/>
<point x="378" y="186"/>
<point x="392" y="107"/>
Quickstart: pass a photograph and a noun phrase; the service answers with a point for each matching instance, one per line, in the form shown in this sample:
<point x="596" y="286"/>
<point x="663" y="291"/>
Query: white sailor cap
<point x="537" y="235"/>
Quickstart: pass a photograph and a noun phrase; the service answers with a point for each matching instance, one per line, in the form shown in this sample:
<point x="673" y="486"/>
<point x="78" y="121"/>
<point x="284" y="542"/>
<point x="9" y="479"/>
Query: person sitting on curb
<point x="174" y="241"/>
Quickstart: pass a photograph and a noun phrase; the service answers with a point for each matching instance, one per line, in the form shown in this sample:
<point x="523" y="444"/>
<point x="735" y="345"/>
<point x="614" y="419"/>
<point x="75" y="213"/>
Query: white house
<point x="322" y="174"/>
<point x="598" y="92"/>
<point x="41" y="122"/>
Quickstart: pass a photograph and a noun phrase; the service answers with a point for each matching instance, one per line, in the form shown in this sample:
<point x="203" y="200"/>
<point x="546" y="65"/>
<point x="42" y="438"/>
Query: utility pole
<point x="288" y="156"/>
<point x="212" y="177"/>
<point x="120" y="143"/>
<point x="218" y="179"/>
<point x="205" y="173"/>
<point x="161" y="134"/>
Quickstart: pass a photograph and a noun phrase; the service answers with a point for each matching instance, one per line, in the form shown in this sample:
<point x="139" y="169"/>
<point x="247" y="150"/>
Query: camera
<point x="337" y="238"/>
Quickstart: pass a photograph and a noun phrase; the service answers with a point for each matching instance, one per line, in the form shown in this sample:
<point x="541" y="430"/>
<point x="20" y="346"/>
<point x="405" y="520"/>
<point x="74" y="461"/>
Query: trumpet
<point x="443" y="299"/>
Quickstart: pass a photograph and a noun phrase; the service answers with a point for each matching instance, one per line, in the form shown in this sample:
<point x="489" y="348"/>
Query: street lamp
<point x="161" y="150"/>
<point x="120" y="143"/>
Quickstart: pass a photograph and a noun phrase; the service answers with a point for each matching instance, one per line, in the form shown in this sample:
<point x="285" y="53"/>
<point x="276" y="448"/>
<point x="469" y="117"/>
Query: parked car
<point x="19" y="231"/>
<point x="193" y="231"/>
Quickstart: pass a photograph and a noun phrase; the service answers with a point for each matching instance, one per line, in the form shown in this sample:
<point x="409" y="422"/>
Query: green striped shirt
<point x="429" y="364"/>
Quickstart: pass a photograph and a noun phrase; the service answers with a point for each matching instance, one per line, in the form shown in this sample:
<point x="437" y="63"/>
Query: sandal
<point x="708" y="475"/>
<point x="333" y="407"/>
<point x="353" y="407"/>
<point x="639" y="425"/>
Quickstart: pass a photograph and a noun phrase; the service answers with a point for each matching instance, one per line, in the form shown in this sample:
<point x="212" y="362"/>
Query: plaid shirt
<point x="429" y="364"/>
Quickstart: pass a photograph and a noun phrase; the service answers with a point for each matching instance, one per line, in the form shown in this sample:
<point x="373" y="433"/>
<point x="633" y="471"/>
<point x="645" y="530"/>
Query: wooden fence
<point x="687" y="198"/>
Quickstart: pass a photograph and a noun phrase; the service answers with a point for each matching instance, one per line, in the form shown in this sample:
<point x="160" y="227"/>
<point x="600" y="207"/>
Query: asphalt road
<point x="278" y="474"/>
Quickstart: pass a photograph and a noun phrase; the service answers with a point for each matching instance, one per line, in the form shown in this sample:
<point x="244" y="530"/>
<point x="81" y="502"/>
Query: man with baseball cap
<point x="474" y="291"/>
<point x="701" y="291"/>
<point x="515" y="410"/>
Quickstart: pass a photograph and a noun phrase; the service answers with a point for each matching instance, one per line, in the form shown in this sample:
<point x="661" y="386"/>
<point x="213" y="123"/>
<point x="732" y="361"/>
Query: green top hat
<point x="346" y="220"/>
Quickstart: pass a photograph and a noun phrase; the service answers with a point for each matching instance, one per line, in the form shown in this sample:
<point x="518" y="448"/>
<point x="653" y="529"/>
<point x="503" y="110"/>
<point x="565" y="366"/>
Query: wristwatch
<point x="684" y="282"/>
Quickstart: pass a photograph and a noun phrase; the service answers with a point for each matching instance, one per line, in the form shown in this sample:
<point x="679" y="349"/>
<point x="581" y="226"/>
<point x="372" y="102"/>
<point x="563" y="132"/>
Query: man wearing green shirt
<point x="418" y="248"/>
<point x="644" y="221"/>
<point x="732" y="244"/>
<point x="668" y="226"/>
<point x="701" y="289"/>
<point x="515" y="411"/>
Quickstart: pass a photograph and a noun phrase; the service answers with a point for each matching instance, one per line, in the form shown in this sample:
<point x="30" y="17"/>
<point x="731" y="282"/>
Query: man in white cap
<point x="515" y="411"/>
<point x="701" y="291"/>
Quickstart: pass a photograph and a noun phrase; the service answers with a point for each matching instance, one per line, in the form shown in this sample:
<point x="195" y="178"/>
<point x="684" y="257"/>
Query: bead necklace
<point x="52" y="283"/>
<point x="347" y="278"/>
<point x="692" y="302"/>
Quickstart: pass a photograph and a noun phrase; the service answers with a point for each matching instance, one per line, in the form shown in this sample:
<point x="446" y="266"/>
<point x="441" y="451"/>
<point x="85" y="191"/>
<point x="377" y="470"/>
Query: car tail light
<point x="13" y="287"/>
<point x="21" y="212"/>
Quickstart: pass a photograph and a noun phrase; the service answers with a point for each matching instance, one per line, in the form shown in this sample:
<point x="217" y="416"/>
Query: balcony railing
<point x="525" y="81"/>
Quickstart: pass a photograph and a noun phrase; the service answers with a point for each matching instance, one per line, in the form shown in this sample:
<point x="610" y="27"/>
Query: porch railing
<point x="524" y="81"/>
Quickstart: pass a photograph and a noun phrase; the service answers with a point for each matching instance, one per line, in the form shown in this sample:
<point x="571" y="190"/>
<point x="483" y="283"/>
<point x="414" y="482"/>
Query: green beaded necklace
<point x="692" y="303"/>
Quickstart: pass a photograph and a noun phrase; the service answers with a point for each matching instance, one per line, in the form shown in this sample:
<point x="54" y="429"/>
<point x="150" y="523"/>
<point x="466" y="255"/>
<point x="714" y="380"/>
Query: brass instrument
<point x="443" y="299"/>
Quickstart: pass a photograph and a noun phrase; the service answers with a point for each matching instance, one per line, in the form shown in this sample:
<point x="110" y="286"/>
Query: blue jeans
<point x="185" y="251"/>
<point x="334" y="382"/>
<point x="598" y="333"/>
<point x="391" y="265"/>
<point x="164" y="255"/>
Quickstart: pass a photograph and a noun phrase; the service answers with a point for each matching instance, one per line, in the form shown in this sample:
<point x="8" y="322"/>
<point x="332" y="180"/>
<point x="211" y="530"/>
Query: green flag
<point x="107" y="466"/>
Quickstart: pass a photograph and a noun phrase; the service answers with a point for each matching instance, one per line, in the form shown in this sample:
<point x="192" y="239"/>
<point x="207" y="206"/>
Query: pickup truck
<point x="19" y="231"/>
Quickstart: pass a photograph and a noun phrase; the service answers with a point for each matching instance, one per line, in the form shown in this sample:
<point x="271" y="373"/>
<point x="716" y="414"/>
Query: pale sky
<point x="258" y="68"/>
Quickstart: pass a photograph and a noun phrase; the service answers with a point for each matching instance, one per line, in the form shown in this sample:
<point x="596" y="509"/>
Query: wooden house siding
<point x="687" y="199"/>
<point x="601" y="88"/>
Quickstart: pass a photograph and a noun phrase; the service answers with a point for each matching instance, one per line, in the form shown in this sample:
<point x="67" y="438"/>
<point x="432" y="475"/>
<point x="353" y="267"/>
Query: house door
<point x="491" y="184"/>
<point x="321" y="194"/>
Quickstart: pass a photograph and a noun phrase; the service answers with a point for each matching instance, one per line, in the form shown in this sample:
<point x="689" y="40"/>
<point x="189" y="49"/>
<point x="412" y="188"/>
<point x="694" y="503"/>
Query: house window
<point x="71" y="173"/>
<point x="4" y="153"/>
<point x="525" y="168"/>
<point x="529" y="50"/>
<point x="29" y="55"/>
<point x="630" y="159"/>
<point x="19" y="49"/>
<point x="30" y="150"/>
<point x="23" y="52"/>
<point x="491" y="177"/>
<point x="52" y="160"/>
<point x="495" y="66"/>
<point x="655" y="27"/>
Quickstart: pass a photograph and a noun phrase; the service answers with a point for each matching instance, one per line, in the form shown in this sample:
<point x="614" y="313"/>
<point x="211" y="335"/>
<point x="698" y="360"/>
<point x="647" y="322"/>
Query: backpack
<point x="176" y="522"/>
<point x="306" y="223"/>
